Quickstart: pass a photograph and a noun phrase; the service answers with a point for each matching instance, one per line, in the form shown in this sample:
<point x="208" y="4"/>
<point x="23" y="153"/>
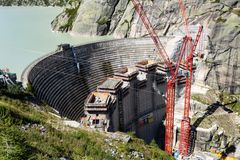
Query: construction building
<point x="126" y="87"/>
<point x="117" y="91"/>
<point x="119" y="82"/>
<point x="135" y="97"/>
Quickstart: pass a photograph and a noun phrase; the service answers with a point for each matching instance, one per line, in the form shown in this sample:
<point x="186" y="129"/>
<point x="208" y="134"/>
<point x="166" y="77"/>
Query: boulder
<point x="94" y="17"/>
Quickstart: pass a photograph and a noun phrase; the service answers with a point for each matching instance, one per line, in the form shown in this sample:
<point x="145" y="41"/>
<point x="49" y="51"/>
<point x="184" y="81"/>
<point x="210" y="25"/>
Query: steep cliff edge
<point x="64" y="21"/>
<point x="221" y="69"/>
<point x="221" y="20"/>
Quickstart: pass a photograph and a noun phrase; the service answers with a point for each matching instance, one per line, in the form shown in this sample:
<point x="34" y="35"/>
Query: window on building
<point x="95" y="121"/>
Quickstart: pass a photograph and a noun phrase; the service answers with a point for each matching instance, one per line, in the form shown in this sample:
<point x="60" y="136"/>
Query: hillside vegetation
<point x="231" y="101"/>
<point x="28" y="131"/>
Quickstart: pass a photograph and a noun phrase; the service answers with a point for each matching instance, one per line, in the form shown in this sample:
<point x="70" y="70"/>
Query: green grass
<point x="215" y="1"/>
<point x="58" y="140"/>
<point x="207" y="99"/>
<point x="200" y="98"/>
<point x="150" y="151"/>
<point x="33" y="144"/>
<point x="232" y="101"/>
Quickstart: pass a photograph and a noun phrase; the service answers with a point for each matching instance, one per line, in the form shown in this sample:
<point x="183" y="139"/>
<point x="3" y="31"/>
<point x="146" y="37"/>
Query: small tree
<point x="153" y="143"/>
<point x="29" y="89"/>
<point x="14" y="89"/>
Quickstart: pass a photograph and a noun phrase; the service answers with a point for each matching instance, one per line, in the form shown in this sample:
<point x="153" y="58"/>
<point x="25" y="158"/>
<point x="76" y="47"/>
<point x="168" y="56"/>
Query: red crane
<point x="189" y="48"/>
<point x="185" y="123"/>
<point x="170" y="95"/>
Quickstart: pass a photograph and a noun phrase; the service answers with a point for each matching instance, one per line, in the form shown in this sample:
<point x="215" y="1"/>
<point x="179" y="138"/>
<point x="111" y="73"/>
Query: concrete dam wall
<point x="63" y="79"/>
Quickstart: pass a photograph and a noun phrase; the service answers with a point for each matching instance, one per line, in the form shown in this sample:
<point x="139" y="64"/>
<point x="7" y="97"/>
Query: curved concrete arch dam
<point x="62" y="84"/>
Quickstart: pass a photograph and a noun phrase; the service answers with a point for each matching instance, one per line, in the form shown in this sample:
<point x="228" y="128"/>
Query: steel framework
<point x="187" y="49"/>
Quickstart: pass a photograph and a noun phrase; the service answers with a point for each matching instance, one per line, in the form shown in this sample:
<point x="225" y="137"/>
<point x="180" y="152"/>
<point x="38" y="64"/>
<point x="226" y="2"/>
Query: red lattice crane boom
<point x="185" y="123"/>
<point x="161" y="51"/>
<point x="170" y="95"/>
<point x="185" y="18"/>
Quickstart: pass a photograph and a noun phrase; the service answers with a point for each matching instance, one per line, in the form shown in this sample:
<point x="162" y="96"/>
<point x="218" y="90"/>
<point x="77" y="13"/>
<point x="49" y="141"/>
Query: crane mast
<point x="170" y="93"/>
<point x="185" y="123"/>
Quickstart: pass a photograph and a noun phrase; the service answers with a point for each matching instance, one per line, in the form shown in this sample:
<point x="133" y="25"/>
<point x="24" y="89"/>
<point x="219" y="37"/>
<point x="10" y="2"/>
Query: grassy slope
<point x="16" y="143"/>
<point x="232" y="101"/>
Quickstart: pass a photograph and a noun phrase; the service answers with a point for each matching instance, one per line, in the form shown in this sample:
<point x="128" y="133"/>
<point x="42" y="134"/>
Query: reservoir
<point x="25" y="35"/>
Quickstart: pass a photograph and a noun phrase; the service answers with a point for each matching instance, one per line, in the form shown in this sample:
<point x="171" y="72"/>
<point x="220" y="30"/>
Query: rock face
<point x="224" y="57"/>
<point x="32" y="2"/>
<point x="94" y="17"/>
<point x="221" y="66"/>
<point x="64" y="21"/>
<point x="60" y="21"/>
<point x="221" y="20"/>
<point x="214" y="130"/>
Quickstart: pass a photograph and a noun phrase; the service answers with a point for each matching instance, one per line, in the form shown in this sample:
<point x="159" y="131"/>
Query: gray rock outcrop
<point x="64" y="21"/>
<point x="32" y="2"/>
<point x="221" y="66"/>
<point x="94" y="17"/>
<point x="220" y="18"/>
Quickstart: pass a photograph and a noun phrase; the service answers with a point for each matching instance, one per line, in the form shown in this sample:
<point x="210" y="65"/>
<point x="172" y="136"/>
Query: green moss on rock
<point x="103" y="20"/>
<point x="71" y="13"/>
<point x="236" y="11"/>
<point x="220" y="19"/>
<point x="215" y="1"/>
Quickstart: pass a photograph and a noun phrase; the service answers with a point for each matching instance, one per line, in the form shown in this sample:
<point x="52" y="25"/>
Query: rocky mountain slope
<point x="220" y="18"/>
<point x="33" y="2"/>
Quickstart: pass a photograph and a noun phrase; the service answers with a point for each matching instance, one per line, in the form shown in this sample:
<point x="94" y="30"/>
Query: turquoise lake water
<point x="25" y="34"/>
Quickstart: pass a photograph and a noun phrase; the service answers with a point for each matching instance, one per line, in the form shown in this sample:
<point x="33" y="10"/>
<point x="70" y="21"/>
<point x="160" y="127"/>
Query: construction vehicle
<point x="220" y="154"/>
<point x="7" y="78"/>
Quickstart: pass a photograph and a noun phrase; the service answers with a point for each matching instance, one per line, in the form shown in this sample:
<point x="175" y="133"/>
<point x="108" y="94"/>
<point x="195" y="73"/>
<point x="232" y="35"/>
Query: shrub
<point x="13" y="144"/>
<point x="29" y="89"/>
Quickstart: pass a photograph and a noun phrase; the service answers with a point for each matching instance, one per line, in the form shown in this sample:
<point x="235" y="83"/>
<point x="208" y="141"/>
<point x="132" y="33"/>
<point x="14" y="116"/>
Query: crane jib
<point x="170" y="93"/>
